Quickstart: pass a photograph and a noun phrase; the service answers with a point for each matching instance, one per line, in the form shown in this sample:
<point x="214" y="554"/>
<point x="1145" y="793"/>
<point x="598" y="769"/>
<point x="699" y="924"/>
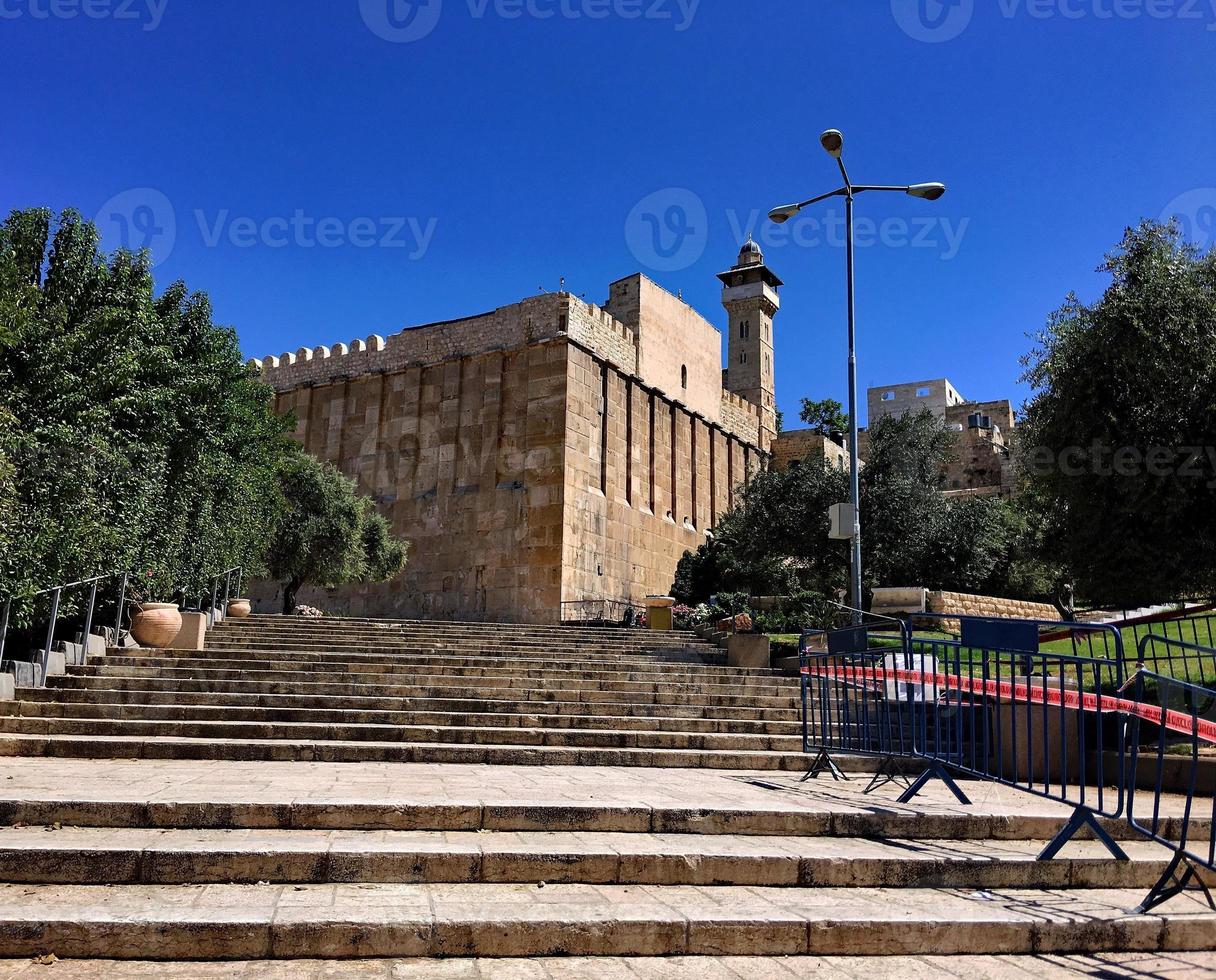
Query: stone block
<point x="193" y="633"/>
<point x="748" y="650"/>
<point x="24" y="674"/>
<point x="888" y="601"/>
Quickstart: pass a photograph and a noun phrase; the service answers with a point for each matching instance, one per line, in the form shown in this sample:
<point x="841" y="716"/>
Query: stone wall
<point x="465" y="458"/>
<point x="741" y="417"/>
<point x="961" y="604"/>
<point x="642" y="484"/>
<point x="799" y="445"/>
<point x="548" y="451"/>
<point x="679" y="351"/>
<point x="938" y="396"/>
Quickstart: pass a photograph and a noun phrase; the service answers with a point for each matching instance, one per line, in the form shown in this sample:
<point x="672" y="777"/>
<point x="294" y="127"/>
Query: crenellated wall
<point x="524" y="453"/>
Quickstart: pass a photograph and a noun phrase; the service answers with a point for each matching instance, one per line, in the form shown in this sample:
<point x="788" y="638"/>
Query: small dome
<point x="750" y="254"/>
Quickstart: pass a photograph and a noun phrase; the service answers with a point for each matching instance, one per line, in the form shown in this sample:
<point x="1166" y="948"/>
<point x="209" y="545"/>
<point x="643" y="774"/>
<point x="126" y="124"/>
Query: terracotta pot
<point x="156" y="624"/>
<point x="239" y="609"/>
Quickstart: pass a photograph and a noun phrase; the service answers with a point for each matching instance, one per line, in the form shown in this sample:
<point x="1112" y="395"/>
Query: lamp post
<point x="833" y="142"/>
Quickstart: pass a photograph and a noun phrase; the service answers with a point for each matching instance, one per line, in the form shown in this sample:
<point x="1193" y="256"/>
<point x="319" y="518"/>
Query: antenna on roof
<point x="562" y="287"/>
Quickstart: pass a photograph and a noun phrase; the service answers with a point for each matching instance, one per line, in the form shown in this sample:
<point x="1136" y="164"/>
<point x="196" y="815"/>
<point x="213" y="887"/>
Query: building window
<point x="745" y="329"/>
<point x="683" y="375"/>
<point x="922" y="392"/>
<point x="888" y="396"/>
<point x="743" y="357"/>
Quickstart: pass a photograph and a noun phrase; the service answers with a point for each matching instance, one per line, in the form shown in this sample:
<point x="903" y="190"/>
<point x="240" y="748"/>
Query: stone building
<point x="983" y="429"/>
<point x="983" y="448"/>
<point x="548" y="453"/>
<point x="795" y="446"/>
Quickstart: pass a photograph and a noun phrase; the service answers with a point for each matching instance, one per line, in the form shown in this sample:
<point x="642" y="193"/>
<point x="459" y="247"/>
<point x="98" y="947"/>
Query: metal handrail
<point x="608" y="609"/>
<point x="229" y="594"/>
<point x="56" y="594"/>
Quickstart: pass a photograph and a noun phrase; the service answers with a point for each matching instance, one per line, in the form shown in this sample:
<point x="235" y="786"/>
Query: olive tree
<point x="328" y="535"/>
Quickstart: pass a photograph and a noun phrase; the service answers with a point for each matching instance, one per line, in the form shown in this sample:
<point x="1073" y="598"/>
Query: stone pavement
<point x="471" y="797"/>
<point x="1133" y="966"/>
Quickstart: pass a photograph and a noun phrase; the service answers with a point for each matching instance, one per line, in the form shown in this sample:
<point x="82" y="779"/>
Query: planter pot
<point x="239" y="609"/>
<point x="156" y="624"/>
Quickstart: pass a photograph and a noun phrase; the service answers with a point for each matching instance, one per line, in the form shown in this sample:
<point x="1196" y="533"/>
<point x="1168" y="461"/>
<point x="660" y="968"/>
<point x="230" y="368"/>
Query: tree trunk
<point x="289" y="596"/>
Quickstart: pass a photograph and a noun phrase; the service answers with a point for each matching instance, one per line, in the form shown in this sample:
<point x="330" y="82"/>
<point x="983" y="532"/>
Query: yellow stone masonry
<point x="543" y="454"/>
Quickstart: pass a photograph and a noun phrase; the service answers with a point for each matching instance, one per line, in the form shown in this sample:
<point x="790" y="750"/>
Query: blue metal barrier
<point x="1041" y="722"/>
<point x="994" y="701"/>
<point x="1189" y="662"/>
<point x="850" y="699"/>
<point x="1183" y="710"/>
<point x="1196" y="629"/>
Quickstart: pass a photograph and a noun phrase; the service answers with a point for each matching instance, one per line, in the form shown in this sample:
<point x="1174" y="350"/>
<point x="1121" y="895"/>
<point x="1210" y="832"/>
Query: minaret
<point x="750" y="297"/>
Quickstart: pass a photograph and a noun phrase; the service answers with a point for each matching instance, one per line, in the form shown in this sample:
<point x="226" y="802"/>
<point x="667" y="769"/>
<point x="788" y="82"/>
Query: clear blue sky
<point x="533" y="139"/>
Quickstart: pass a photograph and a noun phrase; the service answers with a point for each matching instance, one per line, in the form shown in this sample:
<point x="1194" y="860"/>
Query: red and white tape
<point x="1175" y="721"/>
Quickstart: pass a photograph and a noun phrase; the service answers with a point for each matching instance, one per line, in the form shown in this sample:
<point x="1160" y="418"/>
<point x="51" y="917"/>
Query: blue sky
<point x="329" y="169"/>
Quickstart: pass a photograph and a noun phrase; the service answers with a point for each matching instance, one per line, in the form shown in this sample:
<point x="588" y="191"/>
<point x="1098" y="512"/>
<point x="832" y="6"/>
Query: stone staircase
<point x="358" y="690"/>
<point x="585" y="793"/>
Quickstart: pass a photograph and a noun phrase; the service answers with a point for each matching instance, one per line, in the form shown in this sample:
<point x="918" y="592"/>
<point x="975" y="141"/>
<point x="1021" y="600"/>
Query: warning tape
<point x="1175" y="721"/>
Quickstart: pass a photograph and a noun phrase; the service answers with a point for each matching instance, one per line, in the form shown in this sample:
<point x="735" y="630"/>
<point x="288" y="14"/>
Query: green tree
<point x="775" y="540"/>
<point x="328" y="535"/>
<point x="903" y="512"/>
<point x="825" y="417"/>
<point x="136" y="437"/>
<point x="1115" y="439"/>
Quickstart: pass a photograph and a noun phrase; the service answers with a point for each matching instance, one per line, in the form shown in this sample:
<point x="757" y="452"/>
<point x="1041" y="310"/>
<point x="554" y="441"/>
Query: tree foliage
<point x="775" y="541"/>
<point x="132" y="436"/>
<point x="328" y="535"/>
<point x="1116" y="438"/>
<point x="825" y="417"/>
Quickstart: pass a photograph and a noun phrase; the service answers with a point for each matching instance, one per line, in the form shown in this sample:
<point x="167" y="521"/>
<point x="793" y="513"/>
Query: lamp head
<point x="781" y="215"/>
<point x="927" y="192"/>
<point x="833" y="142"/>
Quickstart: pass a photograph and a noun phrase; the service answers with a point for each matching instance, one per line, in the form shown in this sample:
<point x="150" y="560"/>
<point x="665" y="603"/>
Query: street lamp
<point x="833" y="142"/>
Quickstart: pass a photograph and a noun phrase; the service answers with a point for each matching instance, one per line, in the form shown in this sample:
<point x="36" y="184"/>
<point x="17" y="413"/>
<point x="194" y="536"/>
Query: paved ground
<point x="1135" y="966"/>
<point x="391" y="784"/>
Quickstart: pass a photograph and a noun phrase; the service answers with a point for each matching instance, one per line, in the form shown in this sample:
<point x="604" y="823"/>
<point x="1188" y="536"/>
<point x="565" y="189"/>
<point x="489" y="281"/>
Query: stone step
<point x="234" y="685"/>
<point x="618" y="640"/>
<point x="417" y="678"/>
<point x="572" y="657"/>
<point x="200" y="660"/>
<point x="431" y="637"/>
<point x="133" y="694"/>
<point x="440" y="797"/>
<point x="457" y="734"/>
<point x="262" y="621"/>
<point x="343" y="921"/>
<point x="289" y="750"/>
<point x="177" y="712"/>
<point x="528" y="634"/>
<point x="1044" y="966"/>
<point x="129" y="856"/>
